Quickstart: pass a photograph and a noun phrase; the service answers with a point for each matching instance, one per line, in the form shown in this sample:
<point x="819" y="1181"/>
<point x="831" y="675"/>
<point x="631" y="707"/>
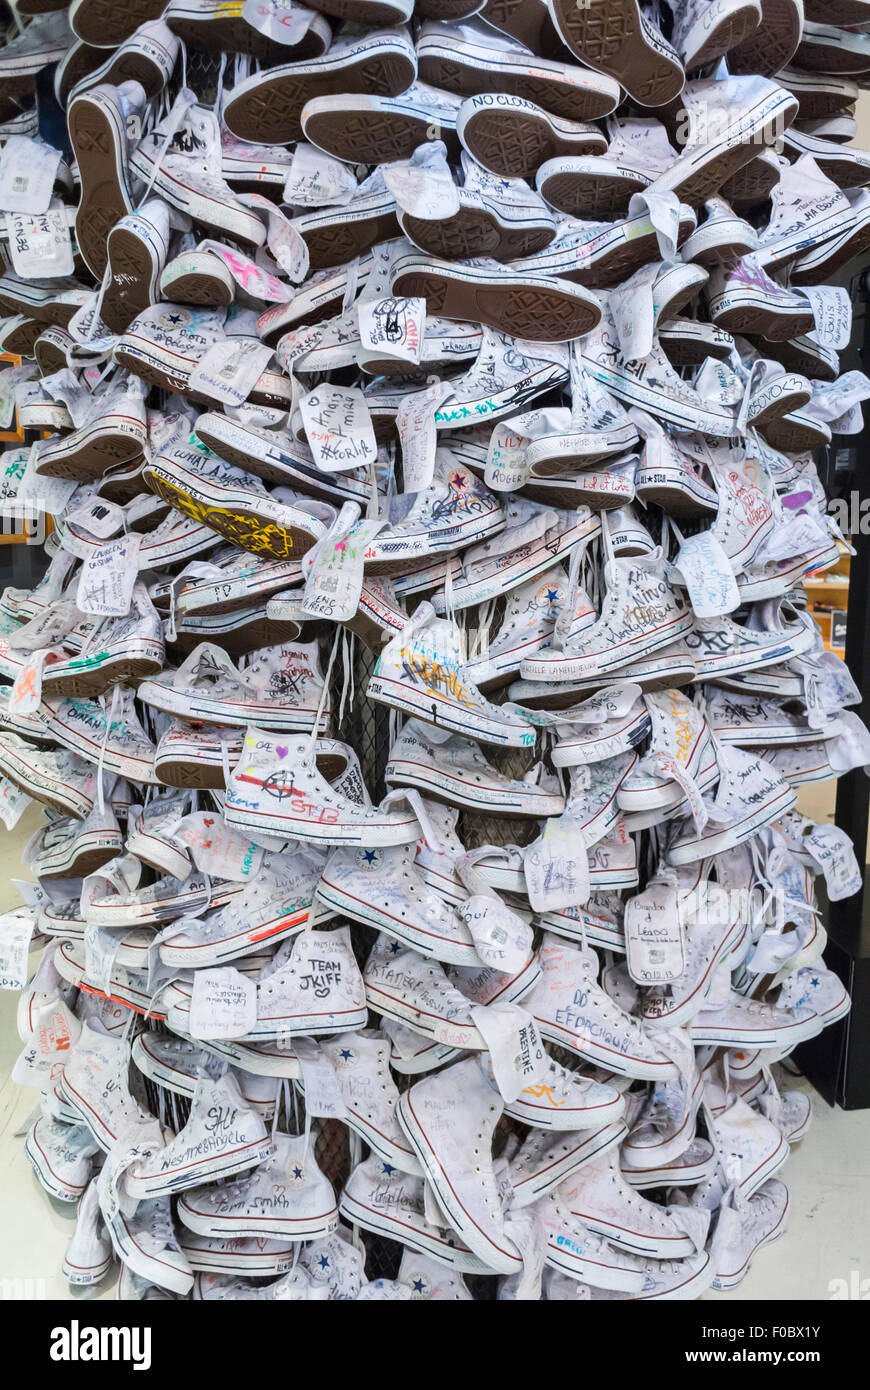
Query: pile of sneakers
<point x="421" y="679"/>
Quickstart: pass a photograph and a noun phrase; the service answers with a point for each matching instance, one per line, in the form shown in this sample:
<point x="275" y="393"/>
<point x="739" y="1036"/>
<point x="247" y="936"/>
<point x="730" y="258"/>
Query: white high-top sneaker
<point x="456" y="1155"/>
<point x="405" y="986"/>
<point x="456" y="770"/>
<point x="750" y="795"/>
<point x="582" y="1253"/>
<point x="572" y="1009"/>
<point x="286" y="1197"/>
<point x="641" y="612"/>
<point x="547" y="1158"/>
<point x="95" y="1082"/>
<point x="276" y="904"/>
<point x="427" y="1278"/>
<point x="362" y="1070"/>
<point x="60" y="1155"/>
<point x="680" y="760"/>
<point x="456" y="510"/>
<point x="293" y="1287"/>
<point x="88" y="1256"/>
<point x="609" y="723"/>
<point x="257" y="1255"/>
<point x="704" y="30"/>
<point x="318" y="990"/>
<point x="147" y="1245"/>
<point x="601" y="1198"/>
<point x="600" y="188"/>
<point x="222" y="1136"/>
<point x="385" y="890"/>
<point x="422" y="672"/>
<point x="714" y="935"/>
<point x="280" y="688"/>
<point x="381" y="1198"/>
<point x="529" y="618"/>
<point x="750" y="1149"/>
<point x="664" y="1128"/>
<point x="807" y="209"/>
<point x="334" y="1262"/>
<point x="276" y="791"/>
<point x="566" y="1100"/>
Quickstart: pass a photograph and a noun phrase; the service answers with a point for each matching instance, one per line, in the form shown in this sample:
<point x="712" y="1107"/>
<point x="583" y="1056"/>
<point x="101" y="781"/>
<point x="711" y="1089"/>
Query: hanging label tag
<point x="13" y="803"/>
<point x="27" y="172"/>
<point x="663" y="210"/>
<point x="334" y="582"/>
<point x="64" y="386"/>
<point x="88" y="329"/>
<point x="338" y="427"/>
<point x="708" y="575"/>
<point x="108" y="576"/>
<point x="217" y="849"/>
<point x="517" y="1055"/>
<point x="11" y="378"/>
<point x="425" y="192"/>
<point x="99" y="518"/>
<point x="415" y="423"/>
<point x="39" y="242"/>
<point x="323" y="1098"/>
<point x="282" y="239"/>
<point x="282" y="21"/>
<point x="506" y="467"/>
<point x="101" y="948"/>
<point x="832" y="310"/>
<point x="501" y="938"/>
<point x="556" y="866"/>
<point x="49" y="1045"/>
<point x="15" y="933"/>
<point x="832" y="850"/>
<point x="316" y="180"/>
<point x="529" y="1235"/>
<point x="26" y="693"/>
<point x="249" y="276"/>
<point x="223" y="1004"/>
<point x="392" y="328"/>
<point x="654" y="936"/>
<point x="631" y="306"/>
<point x="230" y="369"/>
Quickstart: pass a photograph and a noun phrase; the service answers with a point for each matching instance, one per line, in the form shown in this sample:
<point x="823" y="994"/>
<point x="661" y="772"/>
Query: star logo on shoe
<point x="421" y="1287"/>
<point x="388" y="1170"/>
<point x="296" y="1175"/>
<point x="345" y="1055"/>
<point x="369" y="858"/>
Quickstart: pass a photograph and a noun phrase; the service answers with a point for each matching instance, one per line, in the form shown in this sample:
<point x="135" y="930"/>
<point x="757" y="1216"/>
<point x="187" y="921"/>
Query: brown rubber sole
<point x="339" y="243"/>
<point x="528" y="22"/>
<point x="763" y="323"/>
<point x="474" y="232"/>
<point x="521" y="310"/>
<point x="269" y="113"/>
<point x="85" y="864"/>
<point x="674" y="502"/>
<point x="514" y="144"/>
<point x="89" y="684"/>
<point x="778" y="408"/>
<point x="206" y="290"/>
<point x="791" y="438"/>
<point x="608" y="35"/>
<point x="688" y="352"/>
<point x="91" y="462"/>
<point x="260" y="632"/>
<point x="825" y="59"/>
<point x="125" y="299"/>
<point x="751" y="184"/>
<point x="234" y="35"/>
<point x="376" y="137"/>
<point x="135" y="67"/>
<point x="104" y="200"/>
<point x="22" y="339"/>
<point x="198" y="776"/>
<point x="568" y="496"/>
<point x="593" y="197"/>
<point x="727" y="35"/>
<point x="85" y="60"/>
<point x="563" y="99"/>
<point x="49" y="357"/>
<point x="794" y="358"/>
<point x="107" y="23"/>
<point x="842" y="13"/>
<point x="769" y="48"/>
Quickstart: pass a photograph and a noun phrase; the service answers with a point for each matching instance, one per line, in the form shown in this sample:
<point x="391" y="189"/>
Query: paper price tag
<point x="101" y="519"/>
<point x="283" y="240"/>
<point x="101" y="948"/>
<point x="10" y="379"/>
<point x="323" y="1098"/>
<point x="415" y="423"/>
<point x="832" y="310"/>
<point x="27" y="173"/>
<point x="631" y="306"/>
<point x="334" y="582"/>
<point x="663" y="210"/>
<point x="15" y="933"/>
<point x="425" y="191"/>
<point x="506" y="467"/>
<point x="654" y="934"/>
<point x="39" y="242"/>
<point x="223" y="1004"/>
<point x="13" y="803"/>
<point x="556" y="866"/>
<point x="832" y="850"/>
<point x="217" y="849"/>
<point x="316" y="180"/>
<point x="338" y="427"/>
<point x="708" y="575"/>
<point x="26" y="693"/>
<point x="282" y="21"/>
<point x="501" y="938"/>
<point x="516" y="1051"/>
<point x="230" y="369"/>
<point x="108" y="577"/>
<point x="392" y="328"/>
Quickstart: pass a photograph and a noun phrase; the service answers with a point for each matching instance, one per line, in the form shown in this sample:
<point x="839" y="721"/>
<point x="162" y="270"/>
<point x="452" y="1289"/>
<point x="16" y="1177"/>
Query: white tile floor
<point x="828" y="1176"/>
